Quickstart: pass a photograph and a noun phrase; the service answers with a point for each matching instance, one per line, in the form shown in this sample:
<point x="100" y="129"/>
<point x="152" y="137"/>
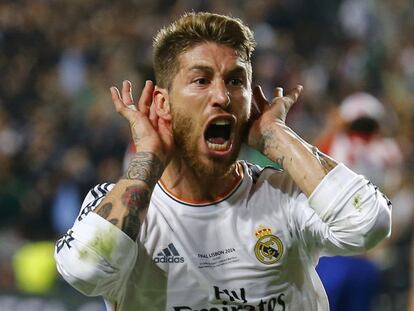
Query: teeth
<point x="220" y="147"/>
<point x="221" y="122"/>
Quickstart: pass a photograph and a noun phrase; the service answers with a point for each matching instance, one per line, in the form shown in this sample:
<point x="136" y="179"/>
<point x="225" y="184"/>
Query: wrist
<point x="152" y="153"/>
<point x="273" y="138"/>
<point x="145" y="166"/>
<point x="280" y="143"/>
<point x="152" y="148"/>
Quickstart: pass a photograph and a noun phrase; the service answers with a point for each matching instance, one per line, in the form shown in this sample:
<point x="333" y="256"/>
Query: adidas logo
<point x="169" y="255"/>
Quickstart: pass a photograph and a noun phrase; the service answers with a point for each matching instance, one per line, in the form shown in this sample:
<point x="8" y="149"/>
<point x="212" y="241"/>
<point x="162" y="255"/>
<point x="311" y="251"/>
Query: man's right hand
<point x="126" y="205"/>
<point x="150" y="132"/>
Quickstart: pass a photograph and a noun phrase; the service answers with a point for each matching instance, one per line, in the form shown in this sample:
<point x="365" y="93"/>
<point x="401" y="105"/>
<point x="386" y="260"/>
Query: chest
<point x="219" y="248"/>
<point x="238" y="255"/>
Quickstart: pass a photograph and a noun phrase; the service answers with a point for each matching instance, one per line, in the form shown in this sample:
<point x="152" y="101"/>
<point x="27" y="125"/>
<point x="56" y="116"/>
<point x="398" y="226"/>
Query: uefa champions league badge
<point x="268" y="248"/>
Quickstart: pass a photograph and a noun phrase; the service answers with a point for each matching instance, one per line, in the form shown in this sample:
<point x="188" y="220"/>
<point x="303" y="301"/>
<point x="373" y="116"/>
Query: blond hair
<point x="192" y="29"/>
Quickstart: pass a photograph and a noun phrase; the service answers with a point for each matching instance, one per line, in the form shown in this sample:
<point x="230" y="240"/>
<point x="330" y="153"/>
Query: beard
<point x="186" y="138"/>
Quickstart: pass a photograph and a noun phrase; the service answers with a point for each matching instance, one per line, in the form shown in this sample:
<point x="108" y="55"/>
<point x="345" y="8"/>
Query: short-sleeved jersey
<point x="255" y="249"/>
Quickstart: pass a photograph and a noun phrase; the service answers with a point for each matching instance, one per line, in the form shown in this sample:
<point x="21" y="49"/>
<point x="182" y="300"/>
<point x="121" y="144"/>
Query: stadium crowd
<point x="59" y="134"/>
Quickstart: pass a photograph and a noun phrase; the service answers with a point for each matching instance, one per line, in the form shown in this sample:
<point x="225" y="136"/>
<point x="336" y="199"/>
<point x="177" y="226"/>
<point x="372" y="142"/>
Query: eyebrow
<point x="201" y="68"/>
<point x="237" y="70"/>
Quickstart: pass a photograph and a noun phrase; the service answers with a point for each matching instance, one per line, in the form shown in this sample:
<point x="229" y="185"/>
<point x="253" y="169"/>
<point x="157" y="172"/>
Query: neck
<point x="183" y="182"/>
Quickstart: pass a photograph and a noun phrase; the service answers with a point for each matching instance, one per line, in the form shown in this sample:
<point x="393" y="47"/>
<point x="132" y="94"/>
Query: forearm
<point x="127" y="204"/>
<point x="305" y="164"/>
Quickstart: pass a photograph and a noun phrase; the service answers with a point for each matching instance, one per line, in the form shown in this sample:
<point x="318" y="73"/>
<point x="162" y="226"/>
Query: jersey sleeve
<point x="346" y="214"/>
<point x="94" y="256"/>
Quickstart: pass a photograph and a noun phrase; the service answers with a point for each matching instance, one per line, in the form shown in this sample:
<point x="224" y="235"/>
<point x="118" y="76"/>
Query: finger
<point x="294" y="93"/>
<point x="127" y="93"/>
<point x="116" y="99"/>
<point x="118" y="103"/>
<point x="145" y="99"/>
<point x="278" y="92"/>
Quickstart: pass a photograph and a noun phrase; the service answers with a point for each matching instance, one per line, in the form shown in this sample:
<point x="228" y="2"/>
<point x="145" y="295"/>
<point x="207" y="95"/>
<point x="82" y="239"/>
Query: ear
<point x="162" y="103"/>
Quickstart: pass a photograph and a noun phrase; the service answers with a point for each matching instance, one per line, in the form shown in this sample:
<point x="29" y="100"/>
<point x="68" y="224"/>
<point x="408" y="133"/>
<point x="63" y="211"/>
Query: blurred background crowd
<point x="59" y="133"/>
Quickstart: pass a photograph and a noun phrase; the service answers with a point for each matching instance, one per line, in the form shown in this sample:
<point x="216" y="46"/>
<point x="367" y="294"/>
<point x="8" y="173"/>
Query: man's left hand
<point x="268" y="114"/>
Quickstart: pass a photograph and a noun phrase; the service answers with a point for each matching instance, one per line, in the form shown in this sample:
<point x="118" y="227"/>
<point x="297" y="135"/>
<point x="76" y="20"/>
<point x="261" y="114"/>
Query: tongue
<point x="217" y="140"/>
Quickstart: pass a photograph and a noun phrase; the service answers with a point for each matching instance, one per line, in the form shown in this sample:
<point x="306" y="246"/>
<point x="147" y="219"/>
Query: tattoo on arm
<point x="131" y="207"/>
<point x="114" y="221"/>
<point x="136" y="200"/>
<point x="105" y="210"/>
<point x="267" y="143"/>
<point x="145" y="166"/>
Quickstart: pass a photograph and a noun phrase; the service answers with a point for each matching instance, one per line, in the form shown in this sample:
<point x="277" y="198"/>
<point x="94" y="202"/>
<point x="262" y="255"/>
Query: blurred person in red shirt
<point x="354" y="135"/>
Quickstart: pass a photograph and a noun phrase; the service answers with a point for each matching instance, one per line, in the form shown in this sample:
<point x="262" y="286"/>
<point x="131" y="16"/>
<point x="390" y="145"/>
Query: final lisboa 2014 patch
<point x="268" y="248"/>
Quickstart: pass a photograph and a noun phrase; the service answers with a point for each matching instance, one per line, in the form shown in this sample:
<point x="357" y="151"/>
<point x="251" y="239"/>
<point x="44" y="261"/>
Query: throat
<point x="194" y="190"/>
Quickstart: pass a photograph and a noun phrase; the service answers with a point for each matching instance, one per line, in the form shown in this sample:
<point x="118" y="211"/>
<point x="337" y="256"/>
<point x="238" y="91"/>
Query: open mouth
<point x="218" y="134"/>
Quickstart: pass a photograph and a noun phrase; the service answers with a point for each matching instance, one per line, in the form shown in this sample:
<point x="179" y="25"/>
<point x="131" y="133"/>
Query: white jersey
<point x="254" y="250"/>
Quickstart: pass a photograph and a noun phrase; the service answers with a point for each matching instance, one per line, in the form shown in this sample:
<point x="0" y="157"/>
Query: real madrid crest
<point x="268" y="248"/>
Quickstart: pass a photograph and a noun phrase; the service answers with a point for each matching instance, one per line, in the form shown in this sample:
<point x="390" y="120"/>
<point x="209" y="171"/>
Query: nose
<point x="220" y="95"/>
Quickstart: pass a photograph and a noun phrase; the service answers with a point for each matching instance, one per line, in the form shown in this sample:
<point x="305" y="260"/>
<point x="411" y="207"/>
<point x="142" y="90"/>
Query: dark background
<point x="59" y="134"/>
